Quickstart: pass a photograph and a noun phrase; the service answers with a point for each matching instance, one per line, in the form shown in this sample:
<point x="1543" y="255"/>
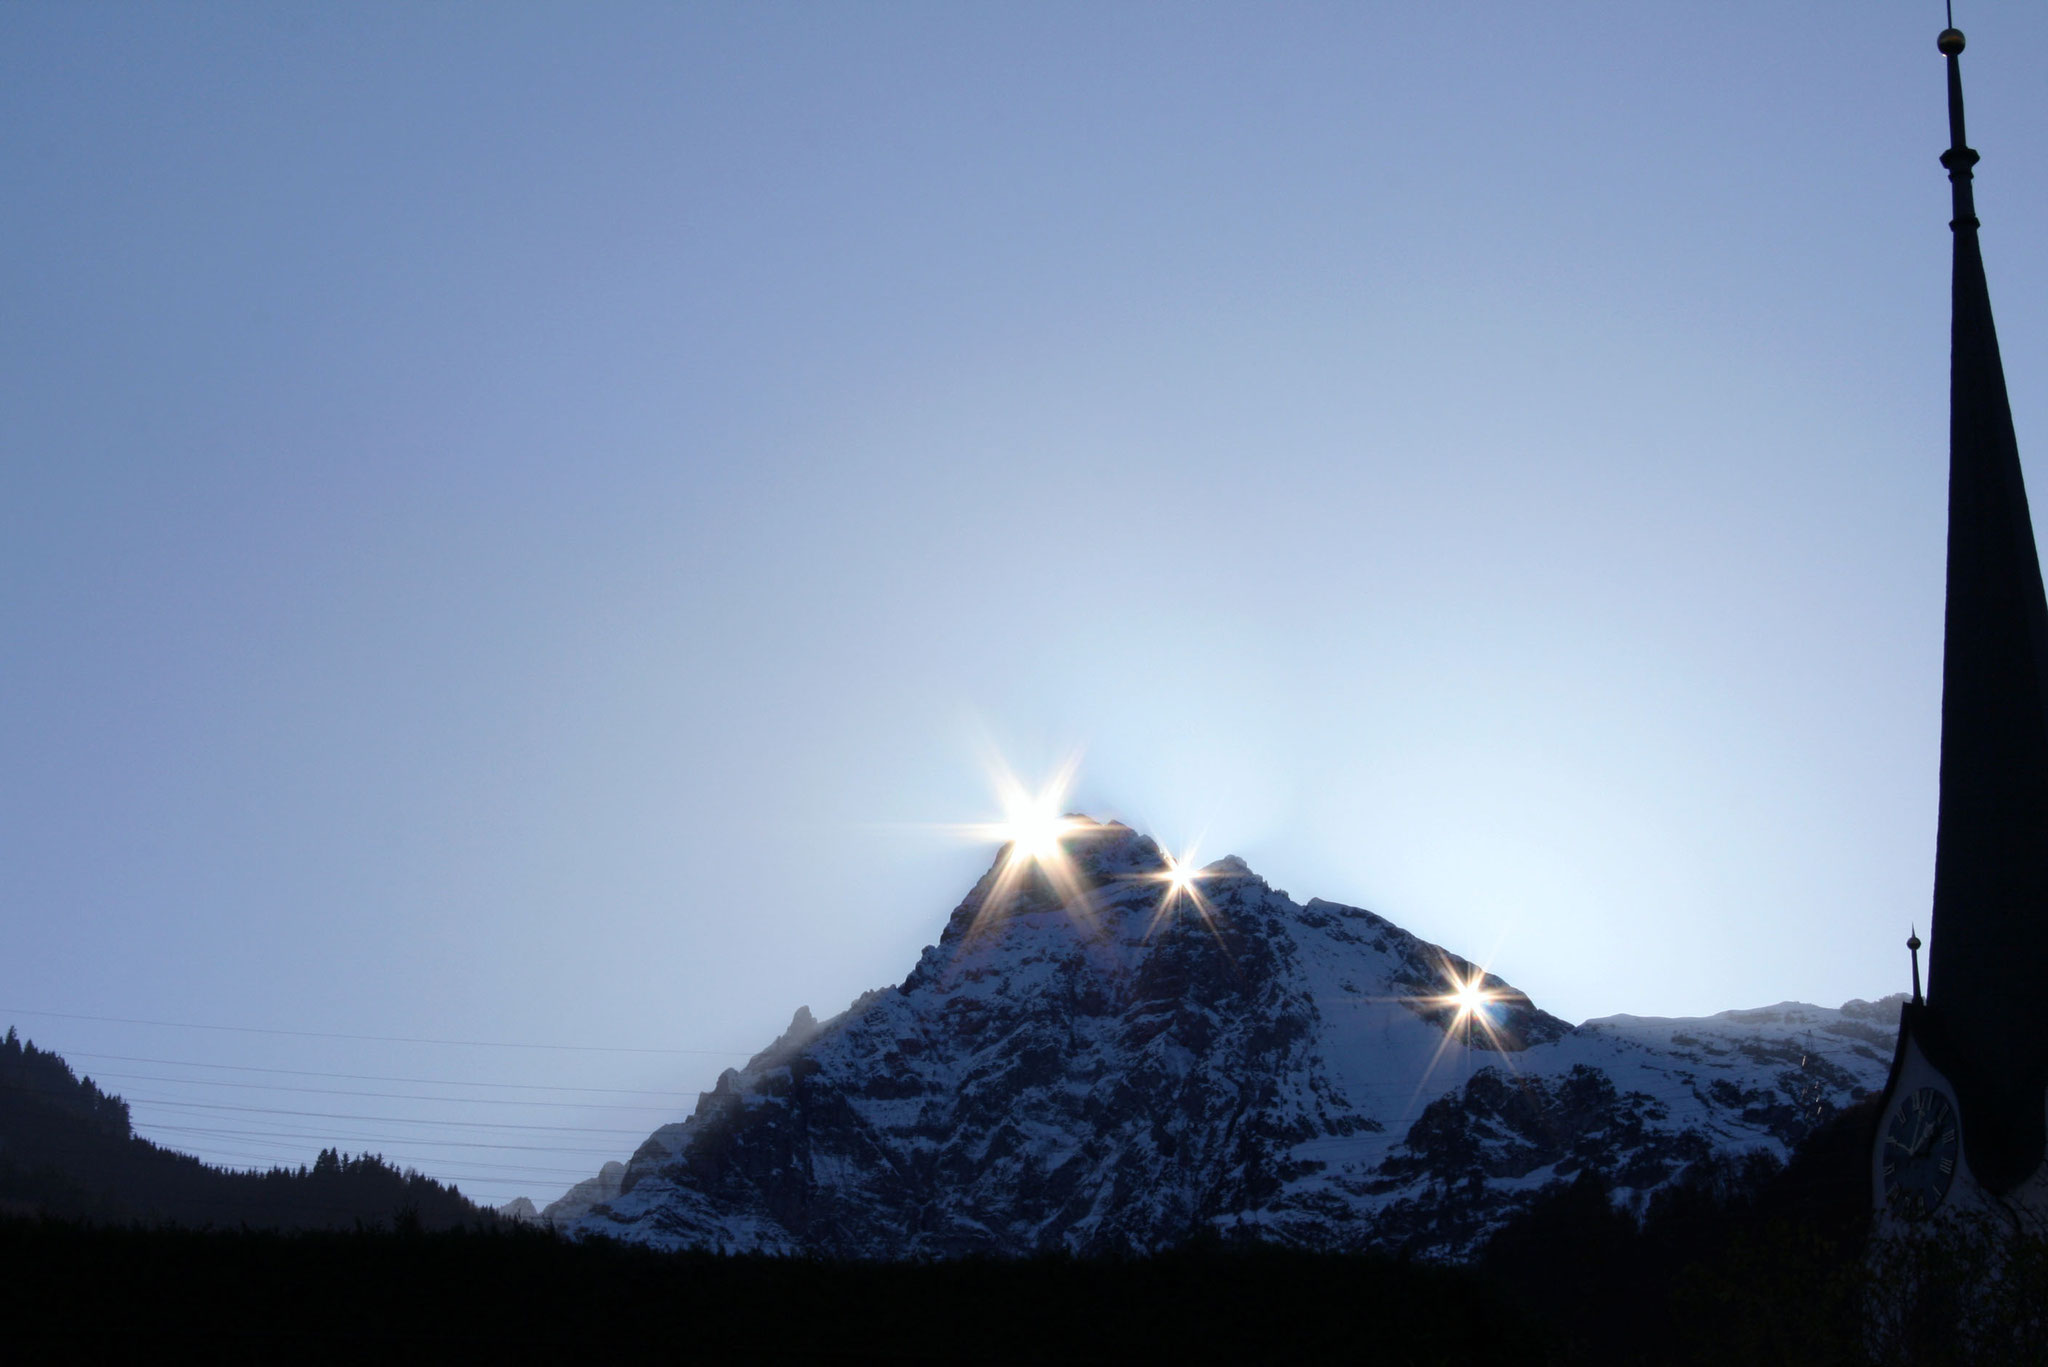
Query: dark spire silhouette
<point x="1987" y="1004"/>
<point x="1913" y="948"/>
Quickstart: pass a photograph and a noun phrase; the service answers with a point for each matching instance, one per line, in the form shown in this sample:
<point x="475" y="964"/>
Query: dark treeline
<point x="463" y="1295"/>
<point x="1743" y="1260"/>
<point x="67" y="1150"/>
<point x="1748" y="1260"/>
<point x="1768" y="1296"/>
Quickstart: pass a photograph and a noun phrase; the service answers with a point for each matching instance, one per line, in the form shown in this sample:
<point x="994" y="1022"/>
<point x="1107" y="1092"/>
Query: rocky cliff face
<point x="1122" y="1071"/>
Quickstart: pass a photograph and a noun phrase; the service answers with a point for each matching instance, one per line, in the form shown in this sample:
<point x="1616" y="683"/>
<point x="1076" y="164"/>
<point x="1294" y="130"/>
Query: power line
<point x="469" y="1171"/>
<point x="373" y="1077"/>
<point x="509" y="1174"/>
<point x="332" y="1140"/>
<point x="393" y="1096"/>
<point x="340" y="1115"/>
<point x="380" y="1119"/>
<point x="375" y="1039"/>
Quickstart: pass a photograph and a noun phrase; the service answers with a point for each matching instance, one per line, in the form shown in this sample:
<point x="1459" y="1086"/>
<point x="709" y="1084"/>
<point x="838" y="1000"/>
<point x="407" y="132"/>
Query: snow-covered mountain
<point x="1120" y="1070"/>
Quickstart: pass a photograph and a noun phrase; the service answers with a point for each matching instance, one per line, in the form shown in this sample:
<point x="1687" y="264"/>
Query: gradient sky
<point x="523" y="523"/>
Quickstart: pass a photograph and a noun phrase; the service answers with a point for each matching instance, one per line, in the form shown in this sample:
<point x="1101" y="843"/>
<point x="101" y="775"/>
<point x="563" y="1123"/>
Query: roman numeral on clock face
<point x="1920" y="1153"/>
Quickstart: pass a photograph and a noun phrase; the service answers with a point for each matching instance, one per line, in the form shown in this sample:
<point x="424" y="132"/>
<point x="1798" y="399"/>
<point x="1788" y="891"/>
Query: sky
<point x="525" y="530"/>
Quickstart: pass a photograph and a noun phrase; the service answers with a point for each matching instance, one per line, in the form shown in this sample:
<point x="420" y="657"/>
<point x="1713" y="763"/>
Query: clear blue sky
<point x="520" y="522"/>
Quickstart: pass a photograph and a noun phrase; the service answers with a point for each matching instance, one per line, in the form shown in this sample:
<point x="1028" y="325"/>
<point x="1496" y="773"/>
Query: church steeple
<point x="1986" y="1020"/>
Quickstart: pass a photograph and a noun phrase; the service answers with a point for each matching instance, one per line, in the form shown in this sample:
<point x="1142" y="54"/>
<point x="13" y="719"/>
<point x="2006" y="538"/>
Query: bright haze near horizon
<point x="525" y="524"/>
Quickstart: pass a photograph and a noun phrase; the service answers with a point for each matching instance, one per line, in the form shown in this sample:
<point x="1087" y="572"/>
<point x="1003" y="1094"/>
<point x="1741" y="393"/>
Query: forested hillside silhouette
<point x="67" y="1150"/>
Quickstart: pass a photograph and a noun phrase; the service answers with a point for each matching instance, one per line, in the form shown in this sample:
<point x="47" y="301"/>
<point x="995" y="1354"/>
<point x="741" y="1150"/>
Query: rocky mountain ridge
<point x="1091" y="1059"/>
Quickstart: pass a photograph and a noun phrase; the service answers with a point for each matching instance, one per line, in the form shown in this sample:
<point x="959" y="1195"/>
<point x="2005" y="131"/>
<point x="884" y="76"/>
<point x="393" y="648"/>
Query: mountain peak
<point x="803" y="1027"/>
<point x="1098" y="1056"/>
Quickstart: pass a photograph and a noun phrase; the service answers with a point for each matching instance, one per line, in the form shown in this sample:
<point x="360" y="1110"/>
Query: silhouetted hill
<point x="67" y="1150"/>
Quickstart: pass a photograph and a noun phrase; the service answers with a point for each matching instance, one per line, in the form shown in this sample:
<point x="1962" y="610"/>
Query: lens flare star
<point x="1470" y="999"/>
<point x="1183" y="879"/>
<point x="1471" y="1003"/>
<point x="1033" y="825"/>
<point x="1036" y="831"/>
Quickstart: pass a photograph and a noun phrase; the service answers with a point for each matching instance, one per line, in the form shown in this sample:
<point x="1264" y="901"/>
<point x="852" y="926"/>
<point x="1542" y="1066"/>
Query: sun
<point x="1470" y="1003"/>
<point x="1180" y="876"/>
<point x="1471" y="997"/>
<point x="1183" y="879"/>
<point x="1034" y="827"/>
<point x="1036" y="832"/>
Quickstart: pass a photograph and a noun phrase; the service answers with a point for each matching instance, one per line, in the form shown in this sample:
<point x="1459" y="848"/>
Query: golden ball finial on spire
<point x="1950" y="42"/>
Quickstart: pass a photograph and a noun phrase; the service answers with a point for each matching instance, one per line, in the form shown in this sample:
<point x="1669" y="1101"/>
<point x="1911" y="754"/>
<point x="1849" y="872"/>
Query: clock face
<point x="1921" y="1145"/>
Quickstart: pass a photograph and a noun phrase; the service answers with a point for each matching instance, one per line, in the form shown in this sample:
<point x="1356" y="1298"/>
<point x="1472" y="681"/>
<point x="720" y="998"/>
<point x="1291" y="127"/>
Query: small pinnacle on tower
<point x="1950" y="42"/>
<point x="1913" y="947"/>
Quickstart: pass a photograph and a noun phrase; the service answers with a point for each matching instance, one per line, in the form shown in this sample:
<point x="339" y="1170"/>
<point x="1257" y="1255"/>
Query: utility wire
<point x="500" y="1175"/>
<point x="474" y="1170"/>
<point x="380" y="1119"/>
<point x="375" y="1039"/>
<point x="394" y="1096"/>
<point x="373" y="1077"/>
<point x="133" y="1100"/>
<point x="332" y="1140"/>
